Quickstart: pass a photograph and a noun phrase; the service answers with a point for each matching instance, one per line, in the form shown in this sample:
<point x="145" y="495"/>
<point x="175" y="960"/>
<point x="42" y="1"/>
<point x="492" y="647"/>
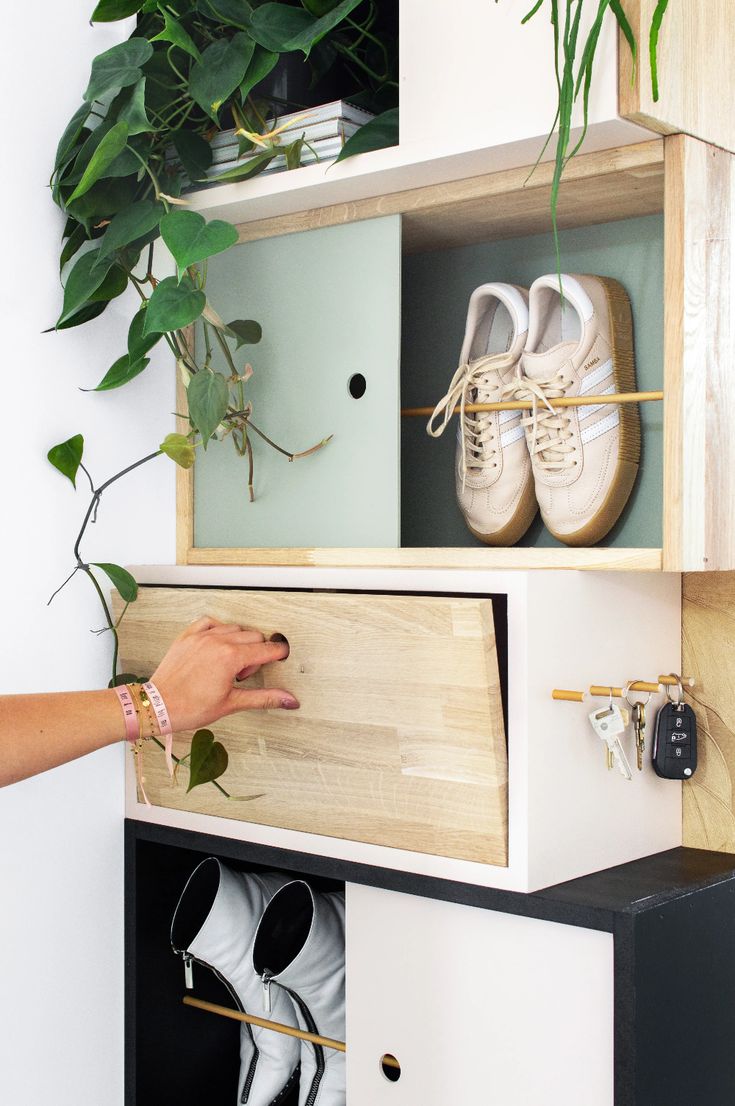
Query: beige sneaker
<point x="585" y="459"/>
<point x="493" y="471"/>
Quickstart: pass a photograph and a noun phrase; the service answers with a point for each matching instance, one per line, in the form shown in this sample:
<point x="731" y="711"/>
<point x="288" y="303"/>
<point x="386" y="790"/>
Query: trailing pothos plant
<point x="574" y="59"/>
<point x="140" y="140"/>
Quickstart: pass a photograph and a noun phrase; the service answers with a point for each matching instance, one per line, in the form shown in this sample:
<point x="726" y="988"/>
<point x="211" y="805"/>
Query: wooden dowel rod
<point x="638" y="685"/>
<point x="527" y="404"/>
<point x="263" y="1023"/>
<point x="566" y="696"/>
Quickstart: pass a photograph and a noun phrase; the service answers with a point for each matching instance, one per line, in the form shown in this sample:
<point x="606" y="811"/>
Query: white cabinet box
<point x="567" y="814"/>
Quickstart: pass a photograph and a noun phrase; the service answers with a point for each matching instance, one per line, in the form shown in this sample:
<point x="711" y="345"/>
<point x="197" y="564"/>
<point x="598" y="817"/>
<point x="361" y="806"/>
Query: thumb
<point x="261" y="698"/>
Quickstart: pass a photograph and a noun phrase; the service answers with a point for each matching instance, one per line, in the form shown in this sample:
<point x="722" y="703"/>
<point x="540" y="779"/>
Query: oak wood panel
<point x="597" y="558"/>
<point x="699" y="352"/>
<point x="695" y="65"/>
<point x="598" y="187"/>
<point x="399" y="740"/>
<point x="708" y="653"/>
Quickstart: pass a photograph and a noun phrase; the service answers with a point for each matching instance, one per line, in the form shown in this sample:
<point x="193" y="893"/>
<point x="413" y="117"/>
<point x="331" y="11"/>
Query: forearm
<point x="42" y="731"/>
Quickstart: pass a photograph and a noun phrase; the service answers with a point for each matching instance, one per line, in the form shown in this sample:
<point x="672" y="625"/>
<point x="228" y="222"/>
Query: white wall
<point x="61" y="892"/>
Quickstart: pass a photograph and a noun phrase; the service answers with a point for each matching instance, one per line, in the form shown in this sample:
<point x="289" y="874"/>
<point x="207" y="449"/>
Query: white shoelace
<point x="470" y="385"/>
<point x="550" y="446"/>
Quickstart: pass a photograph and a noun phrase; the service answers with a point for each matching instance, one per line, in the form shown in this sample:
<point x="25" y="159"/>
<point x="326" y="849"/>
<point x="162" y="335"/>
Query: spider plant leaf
<point x="617" y="8"/>
<point x="656" y="21"/>
<point x="534" y="9"/>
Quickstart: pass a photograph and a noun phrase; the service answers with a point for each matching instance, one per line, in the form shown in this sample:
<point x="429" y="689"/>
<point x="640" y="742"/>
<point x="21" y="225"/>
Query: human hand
<point x="195" y="678"/>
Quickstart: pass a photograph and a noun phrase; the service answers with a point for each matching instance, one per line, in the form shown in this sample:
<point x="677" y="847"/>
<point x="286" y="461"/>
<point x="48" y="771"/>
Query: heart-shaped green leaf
<point x="260" y="66"/>
<point x="118" y="67"/>
<point x="129" y="225"/>
<point x="282" y="28"/>
<point x="195" y="154"/>
<point x="133" y="110"/>
<point x="71" y="135"/>
<point x="190" y="238"/>
<point x="79" y="318"/>
<point x="112" y="144"/>
<point x="67" y="457"/>
<point x="246" y="331"/>
<point x="207" y="396"/>
<point x="120" y="372"/>
<point x="109" y="11"/>
<point x="219" y="71"/>
<point x="380" y="132"/>
<point x="235" y="12"/>
<point x="179" y="449"/>
<point x="208" y="759"/>
<point x="176" y="34"/>
<point x="121" y="579"/>
<point x="173" y="305"/>
<point x="139" y="343"/>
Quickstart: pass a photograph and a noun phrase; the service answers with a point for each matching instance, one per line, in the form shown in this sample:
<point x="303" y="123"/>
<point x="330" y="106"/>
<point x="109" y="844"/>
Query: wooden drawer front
<point x="476" y="1006"/>
<point x="399" y="740"/>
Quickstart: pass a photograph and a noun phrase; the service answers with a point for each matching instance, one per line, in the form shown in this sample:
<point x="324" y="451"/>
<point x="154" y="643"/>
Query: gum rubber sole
<point x="629" y="447"/>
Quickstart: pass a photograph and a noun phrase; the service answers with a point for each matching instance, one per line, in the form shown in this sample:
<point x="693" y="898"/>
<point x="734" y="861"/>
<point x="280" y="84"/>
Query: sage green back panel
<point x="436" y="288"/>
<point x="329" y="302"/>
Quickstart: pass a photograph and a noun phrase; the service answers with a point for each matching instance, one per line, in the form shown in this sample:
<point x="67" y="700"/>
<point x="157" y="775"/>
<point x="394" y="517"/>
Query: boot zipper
<point x="266" y="978"/>
<point x="318" y="1050"/>
<point x="189" y="961"/>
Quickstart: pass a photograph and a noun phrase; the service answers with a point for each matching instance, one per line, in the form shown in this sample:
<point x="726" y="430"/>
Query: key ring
<point x="677" y="702"/>
<point x="626" y="694"/>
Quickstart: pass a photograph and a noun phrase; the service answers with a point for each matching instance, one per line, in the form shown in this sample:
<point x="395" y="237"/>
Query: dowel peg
<point x="568" y="696"/>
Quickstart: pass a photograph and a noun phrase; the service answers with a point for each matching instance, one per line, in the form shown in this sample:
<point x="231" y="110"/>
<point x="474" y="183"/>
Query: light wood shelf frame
<point x="667" y="175"/>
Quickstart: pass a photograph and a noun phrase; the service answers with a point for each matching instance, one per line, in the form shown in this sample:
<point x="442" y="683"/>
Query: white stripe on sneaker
<point x="596" y="376"/>
<point x="585" y="412"/>
<point x="510" y="436"/>
<point x="601" y="427"/>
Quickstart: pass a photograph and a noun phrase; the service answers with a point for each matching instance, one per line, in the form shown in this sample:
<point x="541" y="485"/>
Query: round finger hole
<point x="390" y="1067"/>
<point x="357" y="385"/>
<point x="283" y="640"/>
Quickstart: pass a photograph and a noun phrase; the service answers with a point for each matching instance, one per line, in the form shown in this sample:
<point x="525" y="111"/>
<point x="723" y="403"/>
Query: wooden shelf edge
<point x="613" y="560"/>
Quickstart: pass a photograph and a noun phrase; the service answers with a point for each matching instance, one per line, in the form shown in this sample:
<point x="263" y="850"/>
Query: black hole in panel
<point x="357" y="385"/>
<point x="390" y="1067"/>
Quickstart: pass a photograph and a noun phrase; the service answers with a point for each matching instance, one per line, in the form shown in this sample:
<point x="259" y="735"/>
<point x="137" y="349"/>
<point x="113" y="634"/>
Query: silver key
<point x="607" y="723"/>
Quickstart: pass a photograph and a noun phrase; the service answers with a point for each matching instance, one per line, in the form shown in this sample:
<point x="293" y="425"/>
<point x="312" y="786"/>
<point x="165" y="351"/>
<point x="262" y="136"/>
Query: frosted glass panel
<point x="329" y="304"/>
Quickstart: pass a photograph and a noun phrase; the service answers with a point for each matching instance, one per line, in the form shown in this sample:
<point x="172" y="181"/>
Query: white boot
<point x="214" y="924"/>
<point x="299" y="950"/>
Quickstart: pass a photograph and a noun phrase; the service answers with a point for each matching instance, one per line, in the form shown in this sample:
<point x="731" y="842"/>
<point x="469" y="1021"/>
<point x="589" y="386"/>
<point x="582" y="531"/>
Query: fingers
<point x="262" y="698"/>
<point x="200" y="624"/>
<point x="251" y="654"/>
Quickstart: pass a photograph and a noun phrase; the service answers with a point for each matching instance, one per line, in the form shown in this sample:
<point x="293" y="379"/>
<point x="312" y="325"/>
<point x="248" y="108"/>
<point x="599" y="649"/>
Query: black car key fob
<point x="675" y="742"/>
